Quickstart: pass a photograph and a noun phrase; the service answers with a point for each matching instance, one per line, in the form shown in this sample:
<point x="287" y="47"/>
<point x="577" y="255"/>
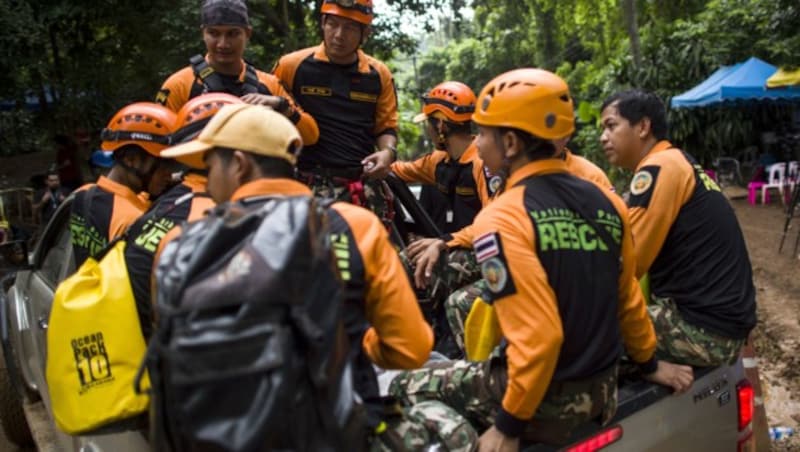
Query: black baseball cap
<point x="225" y="12"/>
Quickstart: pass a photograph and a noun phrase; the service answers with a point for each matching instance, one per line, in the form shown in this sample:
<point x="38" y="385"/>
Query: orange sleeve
<point x="399" y="336"/>
<point x="638" y="333"/>
<point x="286" y="67"/>
<point x="123" y="215"/>
<point x="175" y="90"/>
<point x="306" y="125"/>
<point x="462" y="238"/>
<point x="386" y="112"/>
<point x="525" y="303"/>
<point x="660" y="187"/>
<point x="421" y="170"/>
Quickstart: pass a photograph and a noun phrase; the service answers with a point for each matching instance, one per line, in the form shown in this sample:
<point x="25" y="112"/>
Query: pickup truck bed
<point x="652" y="419"/>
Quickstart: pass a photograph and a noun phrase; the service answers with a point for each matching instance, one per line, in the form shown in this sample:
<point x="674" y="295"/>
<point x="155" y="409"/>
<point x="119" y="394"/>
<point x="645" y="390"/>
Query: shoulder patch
<point x="487" y="246"/>
<point x="494" y="267"/>
<point x="642" y="186"/>
<point x="162" y="96"/>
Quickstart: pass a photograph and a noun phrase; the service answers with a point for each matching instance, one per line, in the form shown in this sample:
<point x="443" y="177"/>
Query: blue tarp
<point x="740" y="82"/>
<point x="30" y="102"/>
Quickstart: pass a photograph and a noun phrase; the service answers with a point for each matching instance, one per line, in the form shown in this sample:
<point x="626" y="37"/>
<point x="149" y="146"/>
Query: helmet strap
<point x="143" y="177"/>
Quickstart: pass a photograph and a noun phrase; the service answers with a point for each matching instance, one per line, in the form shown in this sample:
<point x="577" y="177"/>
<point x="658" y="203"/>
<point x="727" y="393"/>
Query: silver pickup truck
<point x="715" y="415"/>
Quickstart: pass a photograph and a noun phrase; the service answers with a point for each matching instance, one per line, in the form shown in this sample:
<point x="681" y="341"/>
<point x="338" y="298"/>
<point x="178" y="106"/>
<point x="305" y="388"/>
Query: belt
<point x="349" y="173"/>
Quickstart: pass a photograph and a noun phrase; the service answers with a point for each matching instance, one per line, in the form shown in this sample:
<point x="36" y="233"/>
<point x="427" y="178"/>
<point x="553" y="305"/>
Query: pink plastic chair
<point x="753" y="188"/>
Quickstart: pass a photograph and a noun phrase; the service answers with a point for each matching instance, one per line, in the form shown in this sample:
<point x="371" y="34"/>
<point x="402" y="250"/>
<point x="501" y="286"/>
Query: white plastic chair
<point x="776" y="179"/>
<point x="793" y="175"/>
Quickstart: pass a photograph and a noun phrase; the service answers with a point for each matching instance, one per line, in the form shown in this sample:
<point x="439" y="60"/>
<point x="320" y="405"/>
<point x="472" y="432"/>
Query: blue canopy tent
<point x="740" y="82"/>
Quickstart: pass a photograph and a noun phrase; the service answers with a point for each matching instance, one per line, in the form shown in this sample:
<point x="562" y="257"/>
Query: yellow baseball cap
<point x="250" y="128"/>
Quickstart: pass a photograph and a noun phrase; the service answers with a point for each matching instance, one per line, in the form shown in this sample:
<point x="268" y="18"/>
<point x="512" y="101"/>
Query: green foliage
<point x="96" y="56"/>
<point x="586" y="42"/>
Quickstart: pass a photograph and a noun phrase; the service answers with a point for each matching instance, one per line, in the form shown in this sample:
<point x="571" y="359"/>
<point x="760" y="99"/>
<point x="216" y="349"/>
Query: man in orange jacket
<point x="557" y="254"/>
<point x="352" y="97"/>
<point x="104" y="210"/>
<point x="688" y="238"/>
<point x="226" y="31"/>
<point x="251" y="152"/>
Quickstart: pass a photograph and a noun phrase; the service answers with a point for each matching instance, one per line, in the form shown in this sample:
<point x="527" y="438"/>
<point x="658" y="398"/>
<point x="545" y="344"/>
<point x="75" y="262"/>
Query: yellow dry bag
<point x="95" y="346"/>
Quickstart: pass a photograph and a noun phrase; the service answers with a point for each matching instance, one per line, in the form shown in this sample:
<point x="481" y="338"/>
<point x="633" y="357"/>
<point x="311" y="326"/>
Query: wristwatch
<point x="392" y="149"/>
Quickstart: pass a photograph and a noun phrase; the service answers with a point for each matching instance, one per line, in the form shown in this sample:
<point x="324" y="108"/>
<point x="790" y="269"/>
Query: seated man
<point x="687" y="237"/>
<point x="251" y="152"/>
<point x="537" y="244"/>
<point x="104" y="210"/>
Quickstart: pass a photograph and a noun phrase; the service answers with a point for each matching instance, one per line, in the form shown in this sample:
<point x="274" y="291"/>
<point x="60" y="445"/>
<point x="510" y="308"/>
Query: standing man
<point x="537" y="244"/>
<point x="688" y="238"/>
<point x="352" y="97"/>
<point x="50" y="197"/>
<point x="103" y="211"/>
<point x="226" y="30"/>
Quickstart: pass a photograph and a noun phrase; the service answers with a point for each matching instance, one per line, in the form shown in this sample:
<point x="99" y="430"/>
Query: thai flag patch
<point x="486" y="246"/>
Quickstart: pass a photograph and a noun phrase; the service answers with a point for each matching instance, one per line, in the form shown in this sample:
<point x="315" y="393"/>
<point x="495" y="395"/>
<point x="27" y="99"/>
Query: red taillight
<point x="746" y="403"/>
<point x="598" y="441"/>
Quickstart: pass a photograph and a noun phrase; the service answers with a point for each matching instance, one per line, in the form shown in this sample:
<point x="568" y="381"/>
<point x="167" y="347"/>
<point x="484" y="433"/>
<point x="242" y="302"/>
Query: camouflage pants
<point x="375" y="197"/>
<point x="424" y="425"/>
<point x="458" y="306"/>
<point x="684" y="343"/>
<point x="459" y="269"/>
<point x="476" y="390"/>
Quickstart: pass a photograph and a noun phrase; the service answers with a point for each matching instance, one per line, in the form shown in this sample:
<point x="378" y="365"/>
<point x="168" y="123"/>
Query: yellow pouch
<point x="95" y="346"/>
<point x="481" y="331"/>
<point x="644" y="283"/>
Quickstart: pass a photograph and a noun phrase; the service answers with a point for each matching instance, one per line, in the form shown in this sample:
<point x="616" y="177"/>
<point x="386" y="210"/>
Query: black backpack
<point x="250" y="353"/>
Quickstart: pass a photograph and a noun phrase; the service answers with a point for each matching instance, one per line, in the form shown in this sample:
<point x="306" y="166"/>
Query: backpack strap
<point x="205" y="74"/>
<point x="212" y="83"/>
<point x="250" y="80"/>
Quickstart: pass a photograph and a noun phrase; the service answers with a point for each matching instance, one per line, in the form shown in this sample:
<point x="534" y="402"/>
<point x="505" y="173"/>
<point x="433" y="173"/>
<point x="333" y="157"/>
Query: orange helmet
<point x="357" y="10"/>
<point x="193" y="116"/>
<point x="145" y="124"/>
<point x="454" y="100"/>
<point x="533" y="100"/>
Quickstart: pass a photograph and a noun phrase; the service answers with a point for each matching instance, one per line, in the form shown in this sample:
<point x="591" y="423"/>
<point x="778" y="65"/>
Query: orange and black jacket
<point x="100" y="213"/>
<point x="382" y="314"/>
<point x="186" y="84"/>
<point x="576" y="165"/>
<point x="465" y="183"/>
<point x="557" y="254"/>
<point x="688" y="239"/>
<point x="353" y="105"/>
<point x="586" y="170"/>
<point x="186" y="201"/>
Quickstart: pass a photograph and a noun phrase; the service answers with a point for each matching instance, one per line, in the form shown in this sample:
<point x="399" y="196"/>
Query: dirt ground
<point x="777" y="337"/>
<point x="777" y="278"/>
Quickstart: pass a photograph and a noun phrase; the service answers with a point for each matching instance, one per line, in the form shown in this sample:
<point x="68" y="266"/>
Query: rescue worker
<point x="536" y="244"/>
<point x="453" y="167"/>
<point x="688" y="239"/>
<point x="187" y="201"/>
<point x="458" y="278"/>
<point x="226" y="31"/>
<point x="104" y="210"/>
<point x="251" y="152"/>
<point x="353" y="99"/>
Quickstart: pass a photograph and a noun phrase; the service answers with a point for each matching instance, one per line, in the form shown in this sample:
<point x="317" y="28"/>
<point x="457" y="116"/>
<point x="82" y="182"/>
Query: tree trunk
<point x="547" y="27"/>
<point x="629" y="13"/>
